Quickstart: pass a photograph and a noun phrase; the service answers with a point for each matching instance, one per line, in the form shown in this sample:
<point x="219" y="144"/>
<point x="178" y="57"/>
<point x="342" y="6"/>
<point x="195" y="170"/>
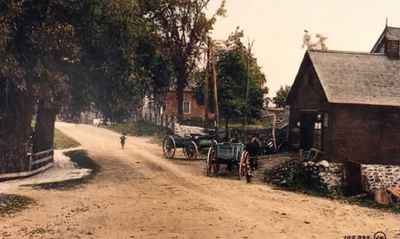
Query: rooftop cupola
<point x="389" y="43"/>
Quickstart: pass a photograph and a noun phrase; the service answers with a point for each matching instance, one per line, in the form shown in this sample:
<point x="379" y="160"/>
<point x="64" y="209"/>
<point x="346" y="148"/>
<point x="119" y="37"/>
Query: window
<point x="186" y="107"/>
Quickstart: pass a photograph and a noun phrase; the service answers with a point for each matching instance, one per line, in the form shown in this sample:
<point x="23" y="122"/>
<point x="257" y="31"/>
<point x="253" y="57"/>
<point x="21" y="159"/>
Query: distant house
<point x="192" y="109"/>
<point x="347" y="104"/>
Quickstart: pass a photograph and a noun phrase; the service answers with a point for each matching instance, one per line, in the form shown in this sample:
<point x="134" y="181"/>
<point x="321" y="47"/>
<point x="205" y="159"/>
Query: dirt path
<point x="138" y="194"/>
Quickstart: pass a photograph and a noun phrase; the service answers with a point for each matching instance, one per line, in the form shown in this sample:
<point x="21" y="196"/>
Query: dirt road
<point x="138" y="194"/>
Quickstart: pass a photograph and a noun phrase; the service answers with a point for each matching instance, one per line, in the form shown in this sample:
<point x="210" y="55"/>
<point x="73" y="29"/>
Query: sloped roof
<point x="389" y="33"/>
<point x="358" y="78"/>
<point x="392" y="33"/>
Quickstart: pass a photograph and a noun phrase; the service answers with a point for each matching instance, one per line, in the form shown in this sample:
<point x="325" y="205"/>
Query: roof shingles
<point x="358" y="78"/>
<point x="392" y="33"/>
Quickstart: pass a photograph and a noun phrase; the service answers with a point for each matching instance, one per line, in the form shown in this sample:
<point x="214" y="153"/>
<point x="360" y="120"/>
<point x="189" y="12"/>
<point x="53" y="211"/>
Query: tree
<point x="235" y="66"/>
<point x="183" y="27"/>
<point x="281" y="96"/>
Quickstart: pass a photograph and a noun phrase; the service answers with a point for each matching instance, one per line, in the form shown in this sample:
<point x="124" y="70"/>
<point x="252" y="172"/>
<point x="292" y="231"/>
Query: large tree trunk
<point x="15" y="126"/>
<point x="44" y="129"/>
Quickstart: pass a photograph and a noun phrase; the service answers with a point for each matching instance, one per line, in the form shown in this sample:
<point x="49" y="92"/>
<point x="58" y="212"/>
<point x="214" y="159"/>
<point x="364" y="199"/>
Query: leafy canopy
<point x="281" y="96"/>
<point x="235" y="65"/>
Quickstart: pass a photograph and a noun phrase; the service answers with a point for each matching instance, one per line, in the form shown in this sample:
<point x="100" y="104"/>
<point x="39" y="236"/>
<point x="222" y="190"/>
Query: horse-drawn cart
<point x="191" y="146"/>
<point x="233" y="155"/>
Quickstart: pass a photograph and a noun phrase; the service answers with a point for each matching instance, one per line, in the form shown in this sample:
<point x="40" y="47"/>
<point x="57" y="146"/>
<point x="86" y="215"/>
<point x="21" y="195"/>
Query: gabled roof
<point x="393" y="33"/>
<point x="357" y="78"/>
<point x="389" y="33"/>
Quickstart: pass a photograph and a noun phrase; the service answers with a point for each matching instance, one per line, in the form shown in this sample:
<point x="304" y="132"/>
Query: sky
<point x="277" y="29"/>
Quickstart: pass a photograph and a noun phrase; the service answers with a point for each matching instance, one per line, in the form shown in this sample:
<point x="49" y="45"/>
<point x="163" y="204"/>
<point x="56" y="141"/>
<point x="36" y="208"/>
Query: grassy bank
<point x="61" y="141"/>
<point x="140" y="128"/>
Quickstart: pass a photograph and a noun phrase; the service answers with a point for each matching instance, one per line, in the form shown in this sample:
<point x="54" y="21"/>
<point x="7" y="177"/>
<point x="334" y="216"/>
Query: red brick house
<point x="191" y="108"/>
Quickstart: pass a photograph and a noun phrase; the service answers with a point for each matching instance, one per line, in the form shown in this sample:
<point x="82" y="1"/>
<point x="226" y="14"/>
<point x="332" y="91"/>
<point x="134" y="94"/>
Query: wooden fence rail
<point x="38" y="162"/>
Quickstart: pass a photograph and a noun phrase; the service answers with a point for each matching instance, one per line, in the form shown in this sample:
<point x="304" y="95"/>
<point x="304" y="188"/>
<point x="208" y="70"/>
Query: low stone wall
<point x="380" y="176"/>
<point x="321" y="176"/>
<point x="331" y="175"/>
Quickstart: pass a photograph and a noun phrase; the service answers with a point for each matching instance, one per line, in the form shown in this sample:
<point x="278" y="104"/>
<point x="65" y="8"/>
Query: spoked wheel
<point x="191" y="151"/>
<point x="169" y="147"/>
<point x="245" y="170"/>
<point x="212" y="167"/>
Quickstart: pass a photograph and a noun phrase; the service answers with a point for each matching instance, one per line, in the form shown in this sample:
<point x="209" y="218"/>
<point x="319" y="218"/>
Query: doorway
<point x="353" y="178"/>
<point x="307" y="123"/>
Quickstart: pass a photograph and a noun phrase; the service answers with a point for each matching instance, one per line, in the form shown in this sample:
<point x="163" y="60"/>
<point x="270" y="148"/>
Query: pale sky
<point x="277" y="27"/>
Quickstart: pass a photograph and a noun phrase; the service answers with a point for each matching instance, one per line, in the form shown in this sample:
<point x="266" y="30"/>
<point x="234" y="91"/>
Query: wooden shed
<point x="347" y="104"/>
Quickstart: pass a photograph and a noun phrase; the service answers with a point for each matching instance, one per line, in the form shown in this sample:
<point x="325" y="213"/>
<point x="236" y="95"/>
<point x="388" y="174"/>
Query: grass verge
<point x="61" y="141"/>
<point x="139" y="128"/>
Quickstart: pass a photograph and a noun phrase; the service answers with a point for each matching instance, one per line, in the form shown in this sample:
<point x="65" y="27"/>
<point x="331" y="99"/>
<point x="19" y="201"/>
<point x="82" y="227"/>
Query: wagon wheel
<point x="169" y="147"/>
<point x="245" y="170"/>
<point x="191" y="151"/>
<point x="212" y="167"/>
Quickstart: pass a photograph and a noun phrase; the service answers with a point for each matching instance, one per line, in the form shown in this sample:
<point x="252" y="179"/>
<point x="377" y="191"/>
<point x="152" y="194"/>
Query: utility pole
<point x="206" y="83"/>
<point x="215" y="83"/>
<point x="250" y="46"/>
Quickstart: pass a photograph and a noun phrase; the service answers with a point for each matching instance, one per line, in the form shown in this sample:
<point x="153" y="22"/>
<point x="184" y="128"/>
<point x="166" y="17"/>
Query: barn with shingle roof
<point x="347" y="104"/>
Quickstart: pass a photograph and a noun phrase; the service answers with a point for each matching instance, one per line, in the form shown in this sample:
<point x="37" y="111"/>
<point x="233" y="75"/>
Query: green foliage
<point x="281" y="96"/>
<point x="183" y="27"/>
<point x="236" y="66"/>
<point x="108" y="31"/>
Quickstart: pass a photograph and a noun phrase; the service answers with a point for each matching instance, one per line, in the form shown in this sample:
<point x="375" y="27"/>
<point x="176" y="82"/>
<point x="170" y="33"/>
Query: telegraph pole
<point x="206" y="83"/>
<point x="215" y="83"/>
<point x="250" y="46"/>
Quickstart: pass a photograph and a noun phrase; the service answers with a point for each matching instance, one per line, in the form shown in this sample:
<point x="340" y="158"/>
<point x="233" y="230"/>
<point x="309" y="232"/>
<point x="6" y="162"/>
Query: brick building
<point x="191" y="108"/>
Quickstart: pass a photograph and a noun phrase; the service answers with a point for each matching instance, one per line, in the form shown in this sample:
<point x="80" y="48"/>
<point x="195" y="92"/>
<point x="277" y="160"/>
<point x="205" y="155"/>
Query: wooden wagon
<point x="233" y="155"/>
<point x="192" y="146"/>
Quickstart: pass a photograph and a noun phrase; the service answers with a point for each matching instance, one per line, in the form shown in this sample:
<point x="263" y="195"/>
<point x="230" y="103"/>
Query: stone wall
<point x="380" y="176"/>
<point x="331" y="175"/>
<point x="320" y="176"/>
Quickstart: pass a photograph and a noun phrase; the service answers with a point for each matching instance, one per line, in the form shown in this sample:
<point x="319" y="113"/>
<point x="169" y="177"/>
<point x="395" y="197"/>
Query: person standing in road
<point x="123" y="139"/>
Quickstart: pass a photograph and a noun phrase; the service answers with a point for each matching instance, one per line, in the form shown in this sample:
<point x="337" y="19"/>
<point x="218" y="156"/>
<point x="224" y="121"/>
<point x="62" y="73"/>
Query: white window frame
<point x="189" y="107"/>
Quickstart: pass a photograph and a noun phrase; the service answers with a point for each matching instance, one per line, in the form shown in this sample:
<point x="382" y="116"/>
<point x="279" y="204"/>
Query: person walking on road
<point x="123" y="139"/>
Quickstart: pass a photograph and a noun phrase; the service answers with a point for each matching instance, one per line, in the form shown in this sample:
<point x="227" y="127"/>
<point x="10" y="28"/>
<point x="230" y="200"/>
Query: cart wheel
<point x="191" y="151"/>
<point x="212" y="167"/>
<point x="169" y="147"/>
<point x="245" y="170"/>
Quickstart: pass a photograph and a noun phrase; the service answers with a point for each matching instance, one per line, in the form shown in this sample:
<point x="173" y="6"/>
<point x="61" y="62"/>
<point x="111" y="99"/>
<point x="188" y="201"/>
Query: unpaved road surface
<point x="138" y="194"/>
